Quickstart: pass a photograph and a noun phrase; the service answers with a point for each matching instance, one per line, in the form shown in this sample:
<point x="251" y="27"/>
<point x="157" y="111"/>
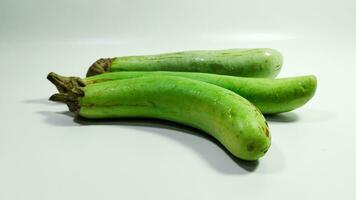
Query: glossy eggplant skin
<point x="271" y="96"/>
<point x="231" y="119"/>
<point x="260" y="62"/>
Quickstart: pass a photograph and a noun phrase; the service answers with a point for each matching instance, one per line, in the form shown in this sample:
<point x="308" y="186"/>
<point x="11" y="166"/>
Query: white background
<point x="45" y="154"/>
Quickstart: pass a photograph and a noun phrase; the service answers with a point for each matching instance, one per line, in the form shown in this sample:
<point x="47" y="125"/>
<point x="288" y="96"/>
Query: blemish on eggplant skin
<point x="250" y="147"/>
<point x="265" y="129"/>
<point x="267" y="132"/>
<point x="238" y="135"/>
<point x="91" y="105"/>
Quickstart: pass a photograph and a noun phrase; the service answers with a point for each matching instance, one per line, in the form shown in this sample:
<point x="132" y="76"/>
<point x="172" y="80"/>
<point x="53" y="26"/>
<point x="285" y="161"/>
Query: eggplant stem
<point x="100" y="66"/>
<point x="70" y="89"/>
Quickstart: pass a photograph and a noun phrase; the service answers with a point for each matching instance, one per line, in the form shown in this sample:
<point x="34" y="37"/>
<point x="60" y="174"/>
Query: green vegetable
<point x="228" y="117"/>
<point x="235" y="62"/>
<point x="269" y="95"/>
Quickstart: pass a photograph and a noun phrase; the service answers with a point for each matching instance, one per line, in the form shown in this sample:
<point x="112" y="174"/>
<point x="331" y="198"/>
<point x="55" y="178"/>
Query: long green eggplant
<point x="223" y="114"/>
<point x="269" y="95"/>
<point x="235" y="62"/>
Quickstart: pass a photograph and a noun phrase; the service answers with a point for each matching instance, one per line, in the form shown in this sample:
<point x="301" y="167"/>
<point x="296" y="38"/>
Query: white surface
<point x="44" y="154"/>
